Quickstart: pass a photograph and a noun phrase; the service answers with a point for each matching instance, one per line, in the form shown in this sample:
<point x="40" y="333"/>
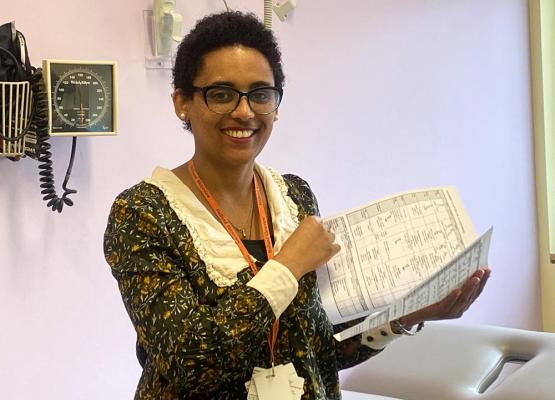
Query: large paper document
<point x="432" y="290"/>
<point x="393" y="248"/>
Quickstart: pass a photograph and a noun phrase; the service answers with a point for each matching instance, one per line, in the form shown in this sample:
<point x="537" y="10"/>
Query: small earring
<point x="182" y="116"/>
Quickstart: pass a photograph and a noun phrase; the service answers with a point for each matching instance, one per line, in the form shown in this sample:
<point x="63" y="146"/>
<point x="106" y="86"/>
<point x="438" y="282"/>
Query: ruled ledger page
<point x="390" y="247"/>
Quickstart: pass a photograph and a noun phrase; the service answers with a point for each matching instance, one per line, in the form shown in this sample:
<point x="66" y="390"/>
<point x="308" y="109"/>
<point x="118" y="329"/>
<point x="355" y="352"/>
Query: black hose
<point x="39" y="125"/>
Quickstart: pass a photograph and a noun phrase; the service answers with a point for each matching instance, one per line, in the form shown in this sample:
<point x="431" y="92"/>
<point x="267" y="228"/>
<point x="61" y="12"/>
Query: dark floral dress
<point x="196" y="340"/>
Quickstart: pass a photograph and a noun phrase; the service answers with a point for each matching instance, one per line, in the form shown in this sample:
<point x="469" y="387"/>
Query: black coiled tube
<point x="40" y="126"/>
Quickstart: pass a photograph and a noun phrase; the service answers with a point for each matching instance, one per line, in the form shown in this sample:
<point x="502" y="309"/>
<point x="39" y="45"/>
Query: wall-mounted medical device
<point x="83" y="97"/>
<point x="163" y="26"/>
<point x="167" y="26"/>
<point x="65" y="98"/>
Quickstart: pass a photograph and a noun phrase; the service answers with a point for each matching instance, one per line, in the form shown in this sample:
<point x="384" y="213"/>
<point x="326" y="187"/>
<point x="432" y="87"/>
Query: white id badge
<point x="252" y="394"/>
<point x="251" y="391"/>
<point x="296" y="383"/>
<point x="272" y="385"/>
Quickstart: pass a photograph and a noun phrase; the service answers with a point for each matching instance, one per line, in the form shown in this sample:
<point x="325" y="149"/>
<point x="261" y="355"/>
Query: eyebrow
<point x="252" y="85"/>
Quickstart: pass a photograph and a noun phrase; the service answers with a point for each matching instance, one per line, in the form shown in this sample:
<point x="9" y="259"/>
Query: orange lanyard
<point x="272" y="337"/>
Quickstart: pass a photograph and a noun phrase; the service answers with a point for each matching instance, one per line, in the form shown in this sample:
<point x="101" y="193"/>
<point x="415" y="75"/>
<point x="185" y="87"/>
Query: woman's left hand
<point x="454" y="305"/>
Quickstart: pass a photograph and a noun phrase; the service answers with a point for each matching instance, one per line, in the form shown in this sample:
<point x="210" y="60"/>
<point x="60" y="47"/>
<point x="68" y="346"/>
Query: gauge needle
<point x="81" y="114"/>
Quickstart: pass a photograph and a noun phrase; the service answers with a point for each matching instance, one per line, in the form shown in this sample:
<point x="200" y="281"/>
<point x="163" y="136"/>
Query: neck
<point x="226" y="182"/>
<point x="232" y="189"/>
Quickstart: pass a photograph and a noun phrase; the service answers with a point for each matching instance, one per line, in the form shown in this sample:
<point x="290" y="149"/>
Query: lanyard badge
<point x="278" y="382"/>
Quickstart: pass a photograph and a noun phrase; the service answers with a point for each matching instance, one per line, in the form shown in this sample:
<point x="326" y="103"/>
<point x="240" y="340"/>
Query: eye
<point x="262" y="96"/>
<point x="220" y="95"/>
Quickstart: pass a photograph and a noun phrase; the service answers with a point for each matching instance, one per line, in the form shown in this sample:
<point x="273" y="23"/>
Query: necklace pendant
<point x="243" y="233"/>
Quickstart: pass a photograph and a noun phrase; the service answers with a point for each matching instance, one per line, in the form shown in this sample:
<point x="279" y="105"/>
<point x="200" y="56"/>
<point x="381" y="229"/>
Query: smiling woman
<point x="215" y="259"/>
<point x="228" y="131"/>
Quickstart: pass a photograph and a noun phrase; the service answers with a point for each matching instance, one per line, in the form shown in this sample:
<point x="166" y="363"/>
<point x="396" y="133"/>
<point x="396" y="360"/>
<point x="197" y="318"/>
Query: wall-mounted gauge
<point x="83" y="97"/>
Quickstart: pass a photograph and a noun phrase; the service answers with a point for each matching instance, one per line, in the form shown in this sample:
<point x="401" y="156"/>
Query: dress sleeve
<point x="194" y="346"/>
<point x="357" y="349"/>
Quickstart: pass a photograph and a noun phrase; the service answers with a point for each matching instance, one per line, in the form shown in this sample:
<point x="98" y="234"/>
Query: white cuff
<point x="277" y="284"/>
<point x="379" y="337"/>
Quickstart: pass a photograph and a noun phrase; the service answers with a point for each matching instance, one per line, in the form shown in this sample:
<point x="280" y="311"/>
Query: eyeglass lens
<point x="224" y="100"/>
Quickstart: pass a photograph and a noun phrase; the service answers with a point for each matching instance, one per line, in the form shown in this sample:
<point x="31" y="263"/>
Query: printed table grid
<point x="398" y="243"/>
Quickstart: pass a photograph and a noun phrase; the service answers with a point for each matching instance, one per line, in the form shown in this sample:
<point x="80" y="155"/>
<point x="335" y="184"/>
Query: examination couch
<point x="448" y="361"/>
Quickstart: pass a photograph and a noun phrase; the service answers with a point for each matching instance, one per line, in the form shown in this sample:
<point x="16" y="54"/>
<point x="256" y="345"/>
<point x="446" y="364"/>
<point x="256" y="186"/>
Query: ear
<point x="180" y="105"/>
<point x="276" y="116"/>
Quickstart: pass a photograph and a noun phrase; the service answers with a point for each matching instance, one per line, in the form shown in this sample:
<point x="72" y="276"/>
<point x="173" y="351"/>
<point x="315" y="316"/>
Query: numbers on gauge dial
<point x="80" y="98"/>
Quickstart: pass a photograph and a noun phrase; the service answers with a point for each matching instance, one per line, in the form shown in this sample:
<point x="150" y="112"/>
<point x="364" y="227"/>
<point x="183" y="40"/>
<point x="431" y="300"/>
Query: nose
<point x="243" y="111"/>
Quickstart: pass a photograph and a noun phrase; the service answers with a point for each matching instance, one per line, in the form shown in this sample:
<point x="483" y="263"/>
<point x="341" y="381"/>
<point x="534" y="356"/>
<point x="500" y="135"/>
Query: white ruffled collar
<point x="214" y="245"/>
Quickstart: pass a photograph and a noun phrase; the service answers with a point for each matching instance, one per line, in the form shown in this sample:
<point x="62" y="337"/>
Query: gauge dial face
<point x="82" y="98"/>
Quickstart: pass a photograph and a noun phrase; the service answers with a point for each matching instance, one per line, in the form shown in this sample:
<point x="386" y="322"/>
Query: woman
<point x="210" y="254"/>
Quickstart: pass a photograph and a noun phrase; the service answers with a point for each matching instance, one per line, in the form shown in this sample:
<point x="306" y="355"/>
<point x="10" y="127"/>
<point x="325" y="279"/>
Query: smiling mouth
<point x="239" y="134"/>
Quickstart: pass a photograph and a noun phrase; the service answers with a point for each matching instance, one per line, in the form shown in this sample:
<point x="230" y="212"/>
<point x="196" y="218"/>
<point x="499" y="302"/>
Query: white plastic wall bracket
<point x="282" y="8"/>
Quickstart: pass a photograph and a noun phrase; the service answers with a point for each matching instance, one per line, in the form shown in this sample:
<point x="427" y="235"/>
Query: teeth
<point x="239" y="134"/>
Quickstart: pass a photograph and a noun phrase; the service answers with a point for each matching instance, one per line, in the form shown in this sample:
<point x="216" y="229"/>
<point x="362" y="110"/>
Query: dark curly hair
<point x="220" y="30"/>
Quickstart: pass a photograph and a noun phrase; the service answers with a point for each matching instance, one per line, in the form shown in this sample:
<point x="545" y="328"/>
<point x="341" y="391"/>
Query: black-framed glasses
<point x="224" y="99"/>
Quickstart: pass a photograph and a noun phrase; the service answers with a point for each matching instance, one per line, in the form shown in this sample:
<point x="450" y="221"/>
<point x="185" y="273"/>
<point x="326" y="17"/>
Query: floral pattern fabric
<point x="196" y="340"/>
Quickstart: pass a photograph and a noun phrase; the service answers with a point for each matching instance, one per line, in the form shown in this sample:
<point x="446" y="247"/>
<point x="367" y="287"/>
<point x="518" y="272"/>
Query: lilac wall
<point x="381" y="96"/>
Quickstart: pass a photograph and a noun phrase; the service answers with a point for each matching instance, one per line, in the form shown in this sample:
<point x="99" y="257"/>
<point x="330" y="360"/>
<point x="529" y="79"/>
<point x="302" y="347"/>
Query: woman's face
<point x="238" y="137"/>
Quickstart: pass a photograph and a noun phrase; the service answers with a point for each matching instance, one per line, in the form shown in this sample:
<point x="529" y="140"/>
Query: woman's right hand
<point x="310" y="246"/>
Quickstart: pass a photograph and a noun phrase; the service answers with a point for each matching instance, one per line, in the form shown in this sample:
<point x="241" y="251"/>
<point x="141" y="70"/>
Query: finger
<point x="472" y="298"/>
<point x="441" y="309"/>
<point x="466" y="297"/>
<point x="479" y="288"/>
<point x="447" y="304"/>
<point x="479" y="273"/>
<point x="485" y="277"/>
<point x="470" y="286"/>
